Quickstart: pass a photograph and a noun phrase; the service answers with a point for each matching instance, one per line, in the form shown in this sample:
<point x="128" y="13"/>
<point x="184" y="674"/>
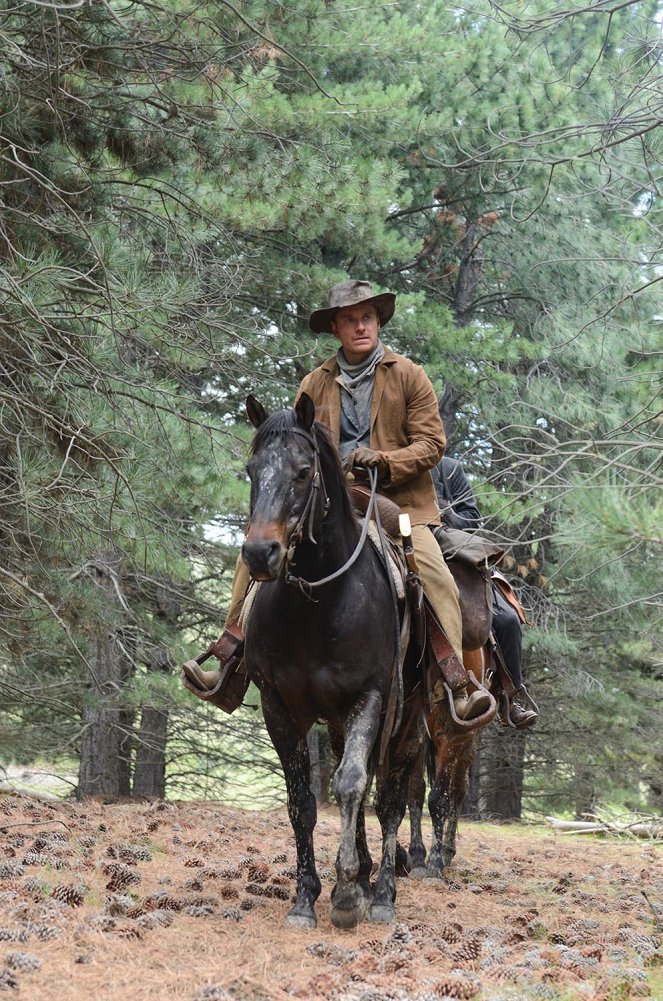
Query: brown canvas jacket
<point x="405" y="427"/>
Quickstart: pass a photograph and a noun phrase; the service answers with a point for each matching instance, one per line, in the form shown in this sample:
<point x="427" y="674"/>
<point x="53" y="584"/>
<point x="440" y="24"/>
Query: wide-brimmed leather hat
<point x="351" y="294"/>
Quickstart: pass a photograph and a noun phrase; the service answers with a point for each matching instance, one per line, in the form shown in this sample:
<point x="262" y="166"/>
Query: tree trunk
<point x="502" y="773"/>
<point x="150" y="767"/>
<point x="471" y="808"/>
<point x="322" y="763"/>
<point x="447" y="405"/>
<point x="103" y="744"/>
<point x="99" y="769"/>
<point x="584" y="794"/>
<point x="470" y="270"/>
<point x="126" y="722"/>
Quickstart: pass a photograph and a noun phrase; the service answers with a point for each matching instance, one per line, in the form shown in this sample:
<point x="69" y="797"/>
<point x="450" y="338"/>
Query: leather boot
<point x="470" y="706"/>
<point x="227" y="685"/>
<point x="521" y="717"/>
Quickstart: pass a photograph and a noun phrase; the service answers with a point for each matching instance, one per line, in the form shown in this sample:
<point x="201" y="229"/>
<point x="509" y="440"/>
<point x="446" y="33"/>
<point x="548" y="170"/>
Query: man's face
<point x="357" y="328"/>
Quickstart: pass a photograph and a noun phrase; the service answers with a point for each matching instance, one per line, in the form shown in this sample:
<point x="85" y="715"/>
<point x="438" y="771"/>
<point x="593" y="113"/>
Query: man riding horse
<point x="382" y="413"/>
<point x="458" y="509"/>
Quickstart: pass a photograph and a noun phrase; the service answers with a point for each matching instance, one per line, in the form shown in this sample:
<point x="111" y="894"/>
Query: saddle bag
<point x="468" y="547"/>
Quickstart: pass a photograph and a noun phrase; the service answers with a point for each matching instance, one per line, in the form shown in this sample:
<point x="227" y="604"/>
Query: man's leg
<point x="442" y="592"/>
<point x="509" y="635"/>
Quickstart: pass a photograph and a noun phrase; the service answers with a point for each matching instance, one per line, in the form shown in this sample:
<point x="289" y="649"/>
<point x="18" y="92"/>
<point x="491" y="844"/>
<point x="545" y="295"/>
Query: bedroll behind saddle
<point x="468" y="547"/>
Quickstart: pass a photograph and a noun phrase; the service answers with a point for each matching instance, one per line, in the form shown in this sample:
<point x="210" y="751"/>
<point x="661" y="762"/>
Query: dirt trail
<point x="187" y="900"/>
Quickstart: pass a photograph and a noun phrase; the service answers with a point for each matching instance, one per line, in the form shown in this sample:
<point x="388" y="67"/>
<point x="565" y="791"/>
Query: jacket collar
<point x="331" y="365"/>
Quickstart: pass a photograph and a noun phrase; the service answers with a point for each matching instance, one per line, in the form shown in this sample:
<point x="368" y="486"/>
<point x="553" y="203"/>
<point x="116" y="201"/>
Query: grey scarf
<point x="356" y="383"/>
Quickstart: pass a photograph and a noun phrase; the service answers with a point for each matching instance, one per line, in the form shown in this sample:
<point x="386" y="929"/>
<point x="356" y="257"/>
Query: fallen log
<point x="639" y="829"/>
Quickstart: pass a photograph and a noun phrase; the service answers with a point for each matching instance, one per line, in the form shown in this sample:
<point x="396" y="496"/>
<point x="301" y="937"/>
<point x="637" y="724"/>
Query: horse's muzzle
<point x="264" y="558"/>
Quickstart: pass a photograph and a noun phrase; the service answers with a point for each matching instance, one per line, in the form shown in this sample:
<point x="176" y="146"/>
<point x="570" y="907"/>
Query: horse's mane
<point x="284" y="423"/>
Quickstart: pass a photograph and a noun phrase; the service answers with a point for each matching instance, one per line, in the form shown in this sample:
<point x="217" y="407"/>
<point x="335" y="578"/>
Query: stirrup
<point x="471" y="724"/>
<point x="504" y="716"/>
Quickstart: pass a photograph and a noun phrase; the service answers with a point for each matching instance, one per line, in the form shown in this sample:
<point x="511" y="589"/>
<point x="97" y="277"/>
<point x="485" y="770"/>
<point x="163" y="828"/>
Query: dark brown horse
<point x="321" y="644"/>
<point x="446" y="759"/>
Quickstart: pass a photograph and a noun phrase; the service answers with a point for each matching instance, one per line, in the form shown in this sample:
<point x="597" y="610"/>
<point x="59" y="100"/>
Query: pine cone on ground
<point x="8" y="981"/>
<point x="10" y="870"/>
<point x="232" y="873"/>
<point x="121" y="875"/>
<point x="72" y="896"/>
<point x="454" y="987"/>
<point x="468" y="951"/>
<point x="22" y="961"/>
<point x="229" y="893"/>
<point x="452" y="933"/>
<point x="257" y="872"/>
<point x="44" y="932"/>
<point x="163" y="902"/>
<point x="193" y="884"/>
<point x="199" y="912"/>
<point x="267" y="890"/>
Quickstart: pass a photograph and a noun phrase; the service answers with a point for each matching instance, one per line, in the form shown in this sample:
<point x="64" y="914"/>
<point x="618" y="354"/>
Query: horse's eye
<point x="303" y="473"/>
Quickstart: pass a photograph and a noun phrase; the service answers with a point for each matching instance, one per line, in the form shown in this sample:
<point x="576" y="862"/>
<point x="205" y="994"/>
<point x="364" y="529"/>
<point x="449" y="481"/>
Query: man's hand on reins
<point x="367" y="458"/>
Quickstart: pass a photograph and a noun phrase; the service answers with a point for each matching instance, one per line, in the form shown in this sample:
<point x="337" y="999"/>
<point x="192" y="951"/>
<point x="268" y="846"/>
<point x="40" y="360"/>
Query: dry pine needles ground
<point x="187" y="900"/>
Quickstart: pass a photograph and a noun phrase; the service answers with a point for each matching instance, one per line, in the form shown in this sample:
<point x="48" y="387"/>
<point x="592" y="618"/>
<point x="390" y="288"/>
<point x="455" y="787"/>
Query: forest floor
<point x="187" y="900"/>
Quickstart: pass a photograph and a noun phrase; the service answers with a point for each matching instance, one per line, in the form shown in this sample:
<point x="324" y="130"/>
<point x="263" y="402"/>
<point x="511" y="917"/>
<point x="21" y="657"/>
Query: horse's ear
<point x="305" y="410"/>
<point x="257" y="413"/>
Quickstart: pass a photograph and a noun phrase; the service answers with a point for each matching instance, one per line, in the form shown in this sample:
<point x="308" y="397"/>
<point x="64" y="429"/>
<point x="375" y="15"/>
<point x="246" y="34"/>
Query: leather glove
<point x="368" y="457"/>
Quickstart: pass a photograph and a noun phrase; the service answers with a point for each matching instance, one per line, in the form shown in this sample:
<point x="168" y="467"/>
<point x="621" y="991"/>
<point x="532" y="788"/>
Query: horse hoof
<point x="301" y="921"/>
<point x="419" y="872"/>
<point x="349" y="917"/>
<point x="381" y="914"/>
<point x="403" y="862"/>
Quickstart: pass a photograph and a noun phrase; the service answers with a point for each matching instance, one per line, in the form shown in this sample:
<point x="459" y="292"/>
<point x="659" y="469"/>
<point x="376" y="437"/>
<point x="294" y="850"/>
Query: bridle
<point x="306" y="520"/>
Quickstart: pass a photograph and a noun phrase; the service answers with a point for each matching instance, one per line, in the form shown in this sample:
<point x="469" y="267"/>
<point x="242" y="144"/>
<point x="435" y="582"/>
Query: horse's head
<point x="287" y="492"/>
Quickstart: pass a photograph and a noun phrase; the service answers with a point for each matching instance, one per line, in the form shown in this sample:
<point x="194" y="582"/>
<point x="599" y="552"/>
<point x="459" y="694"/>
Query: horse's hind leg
<point x="349" y="900"/>
<point x="396" y="783"/>
<point x="453" y="760"/>
<point x="293" y="754"/>
<point x="365" y="860"/>
<point x="390" y="804"/>
<point x="415" y="801"/>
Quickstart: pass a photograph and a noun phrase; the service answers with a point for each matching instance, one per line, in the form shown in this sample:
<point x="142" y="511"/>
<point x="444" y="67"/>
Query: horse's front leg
<point x="349" y="900"/>
<point x="293" y="755"/>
